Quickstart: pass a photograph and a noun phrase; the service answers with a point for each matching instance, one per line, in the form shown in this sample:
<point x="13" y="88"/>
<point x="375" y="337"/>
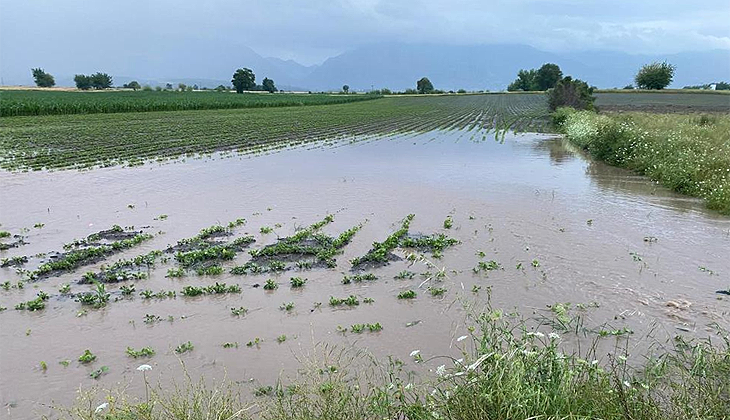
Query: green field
<point x="84" y="141"/>
<point x="33" y="102"/>
<point x="691" y="101"/>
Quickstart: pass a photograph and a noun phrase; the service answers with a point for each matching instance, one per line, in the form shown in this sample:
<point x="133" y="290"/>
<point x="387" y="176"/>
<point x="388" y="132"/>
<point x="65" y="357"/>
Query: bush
<point x="572" y="93"/>
<point x="560" y="115"/>
<point x="43" y="79"/>
<point x="655" y="76"/>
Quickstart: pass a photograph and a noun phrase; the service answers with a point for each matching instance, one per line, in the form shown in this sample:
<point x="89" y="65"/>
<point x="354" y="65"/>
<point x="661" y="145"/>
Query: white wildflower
<point x="441" y="370"/>
<point x="415" y="353"/>
<point x="143" y="368"/>
<point x="554" y="336"/>
<point x="101" y="407"/>
<point x="462" y="338"/>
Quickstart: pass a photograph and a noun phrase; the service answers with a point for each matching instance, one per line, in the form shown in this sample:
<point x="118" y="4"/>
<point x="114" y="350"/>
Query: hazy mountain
<point x="392" y="65"/>
<point x="398" y="66"/>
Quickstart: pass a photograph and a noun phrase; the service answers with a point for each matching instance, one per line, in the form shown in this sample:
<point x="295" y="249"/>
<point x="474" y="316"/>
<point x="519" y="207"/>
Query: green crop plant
<point x="184" y="347"/>
<point x="239" y="311"/>
<point x="270" y="285"/>
<point x="143" y="352"/>
<point x="448" y="222"/>
<point x="351" y="300"/>
<point x="357" y="278"/>
<point x="407" y="294"/>
<point x="87" y="357"/>
<point x="287" y="306"/>
<point x="436" y="291"/>
<point x="297" y="282"/>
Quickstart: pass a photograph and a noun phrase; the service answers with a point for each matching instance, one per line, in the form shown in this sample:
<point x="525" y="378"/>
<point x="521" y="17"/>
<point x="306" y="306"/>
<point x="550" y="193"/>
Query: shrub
<point x="571" y="92"/>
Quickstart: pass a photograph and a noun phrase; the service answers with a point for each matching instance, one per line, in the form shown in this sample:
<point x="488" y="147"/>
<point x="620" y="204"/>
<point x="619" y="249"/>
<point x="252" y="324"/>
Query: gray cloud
<point x="82" y="35"/>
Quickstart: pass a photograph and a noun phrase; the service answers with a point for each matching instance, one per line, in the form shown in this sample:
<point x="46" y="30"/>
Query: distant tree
<point x="268" y="85"/>
<point x="346" y="88"/>
<point x="628" y="87"/>
<point x="43" y="79"/>
<point x="134" y="85"/>
<point x="526" y="81"/>
<point x="182" y="87"/>
<point x="101" y="81"/>
<point x="424" y="86"/>
<point x="722" y="86"/>
<point x="572" y="93"/>
<point x="244" y="79"/>
<point x="158" y="88"/>
<point x="385" y="91"/>
<point x="221" y="88"/>
<point x="82" y="81"/>
<point x="195" y="87"/>
<point x="410" y="91"/>
<point x="147" y="88"/>
<point x="547" y="76"/>
<point x="655" y="76"/>
<point x="168" y="86"/>
<point x="461" y="91"/>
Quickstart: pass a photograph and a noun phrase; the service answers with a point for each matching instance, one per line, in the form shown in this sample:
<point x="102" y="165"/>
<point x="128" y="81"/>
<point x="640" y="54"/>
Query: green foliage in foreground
<point x="508" y="371"/>
<point x="688" y="153"/>
<point x="17" y="102"/>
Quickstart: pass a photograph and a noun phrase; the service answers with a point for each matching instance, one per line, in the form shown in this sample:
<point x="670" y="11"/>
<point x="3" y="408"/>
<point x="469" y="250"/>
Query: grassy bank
<point x="30" y="102"/>
<point x="510" y="369"/>
<point x="688" y="153"/>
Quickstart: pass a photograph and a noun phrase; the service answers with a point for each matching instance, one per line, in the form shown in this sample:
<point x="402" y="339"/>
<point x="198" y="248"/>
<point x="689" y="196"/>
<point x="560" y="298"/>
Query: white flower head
<point x="143" y="368"/>
<point x="101" y="407"/>
<point x="415" y="353"/>
<point x="462" y="338"/>
<point x="536" y="334"/>
<point x="554" y="336"/>
<point x="441" y="370"/>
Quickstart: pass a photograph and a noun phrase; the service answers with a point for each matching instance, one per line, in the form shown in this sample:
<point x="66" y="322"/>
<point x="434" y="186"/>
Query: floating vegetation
<point x="280" y="339"/>
<point x="98" y="298"/>
<point x="357" y="278"/>
<point x="255" y="342"/>
<point x="449" y="222"/>
<point x="124" y="270"/>
<point x="436" y="291"/>
<point x="99" y="372"/>
<point x="266" y="229"/>
<point x="287" y="306"/>
<point x="359" y="328"/>
<point x="239" y="311"/>
<point x="270" y="285"/>
<point x="175" y="272"/>
<point x="229" y="345"/>
<point x="407" y="294"/>
<point x="306" y="248"/>
<point x="16" y="261"/>
<point x="143" y="352"/>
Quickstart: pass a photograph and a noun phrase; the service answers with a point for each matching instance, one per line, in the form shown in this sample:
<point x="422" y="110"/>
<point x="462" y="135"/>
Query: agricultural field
<point x="395" y="258"/>
<point x="34" y="102"/>
<point x="664" y="102"/>
<point x="86" y="141"/>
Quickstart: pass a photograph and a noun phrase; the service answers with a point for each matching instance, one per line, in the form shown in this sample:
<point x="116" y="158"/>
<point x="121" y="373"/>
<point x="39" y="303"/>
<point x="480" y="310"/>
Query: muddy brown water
<point x="529" y="198"/>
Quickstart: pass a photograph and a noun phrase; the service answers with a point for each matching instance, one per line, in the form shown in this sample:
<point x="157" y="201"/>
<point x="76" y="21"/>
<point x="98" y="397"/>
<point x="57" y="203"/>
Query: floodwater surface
<point x="561" y="229"/>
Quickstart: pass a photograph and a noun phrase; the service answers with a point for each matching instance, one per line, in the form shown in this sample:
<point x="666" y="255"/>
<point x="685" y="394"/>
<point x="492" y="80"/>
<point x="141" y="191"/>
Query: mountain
<point x="393" y="65"/>
<point x="493" y="67"/>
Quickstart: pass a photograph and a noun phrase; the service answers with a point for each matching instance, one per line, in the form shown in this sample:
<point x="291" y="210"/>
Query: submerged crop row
<point x="87" y="141"/>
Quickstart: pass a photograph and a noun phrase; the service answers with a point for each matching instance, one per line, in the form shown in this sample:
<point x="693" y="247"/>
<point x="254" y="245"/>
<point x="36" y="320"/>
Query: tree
<point x="525" y="81"/>
<point x="168" y="86"/>
<point x="655" y="76"/>
<point x="43" y="79"/>
<point x="243" y="79"/>
<point x="82" y="81"/>
<point x="101" y="81"/>
<point x="221" y="88"/>
<point x="268" y="85"/>
<point x="134" y="85"/>
<point x="182" y="87"/>
<point x="573" y="93"/>
<point x="547" y="76"/>
<point x="424" y="86"/>
<point x="346" y="88"/>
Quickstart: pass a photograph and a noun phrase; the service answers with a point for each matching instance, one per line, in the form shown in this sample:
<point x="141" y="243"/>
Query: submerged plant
<point x="407" y="294"/>
<point x="184" y="348"/>
<point x="87" y="357"/>
<point x="143" y="352"/>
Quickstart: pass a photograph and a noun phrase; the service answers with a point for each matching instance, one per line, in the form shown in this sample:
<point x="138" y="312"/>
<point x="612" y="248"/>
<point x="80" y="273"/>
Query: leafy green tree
<point x="346" y="88"/>
<point x="101" y="81"/>
<point x="268" y="85"/>
<point x="168" y="86"/>
<point x="572" y="93"/>
<point x="82" y="81"/>
<point x="244" y="79"/>
<point x="722" y="86"/>
<point x="655" y="76"/>
<point x="221" y="88"/>
<point x="526" y="81"/>
<point x="424" y="86"/>
<point x="134" y="85"/>
<point x="43" y="79"/>
<point x="548" y="76"/>
<point x="182" y="87"/>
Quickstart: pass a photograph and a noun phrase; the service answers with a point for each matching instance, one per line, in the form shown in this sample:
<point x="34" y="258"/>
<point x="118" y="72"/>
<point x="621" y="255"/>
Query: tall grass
<point x="514" y="369"/>
<point x="688" y="153"/>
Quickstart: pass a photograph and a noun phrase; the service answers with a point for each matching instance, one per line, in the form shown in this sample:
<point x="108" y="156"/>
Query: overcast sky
<point x="54" y="32"/>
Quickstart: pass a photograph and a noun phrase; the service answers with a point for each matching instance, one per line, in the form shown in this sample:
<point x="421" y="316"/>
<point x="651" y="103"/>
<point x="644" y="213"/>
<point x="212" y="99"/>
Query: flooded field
<point x="530" y="219"/>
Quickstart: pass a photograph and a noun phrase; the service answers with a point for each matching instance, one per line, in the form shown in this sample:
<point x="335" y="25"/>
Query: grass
<point x="22" y="102"/>
<point x="689" y="154"/>
<point x="507" y="369"/>
<point x="87" y="141"/>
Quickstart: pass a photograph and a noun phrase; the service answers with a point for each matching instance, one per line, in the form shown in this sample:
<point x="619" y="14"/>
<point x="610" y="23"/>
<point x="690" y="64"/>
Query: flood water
<point x="528" y="198"/>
